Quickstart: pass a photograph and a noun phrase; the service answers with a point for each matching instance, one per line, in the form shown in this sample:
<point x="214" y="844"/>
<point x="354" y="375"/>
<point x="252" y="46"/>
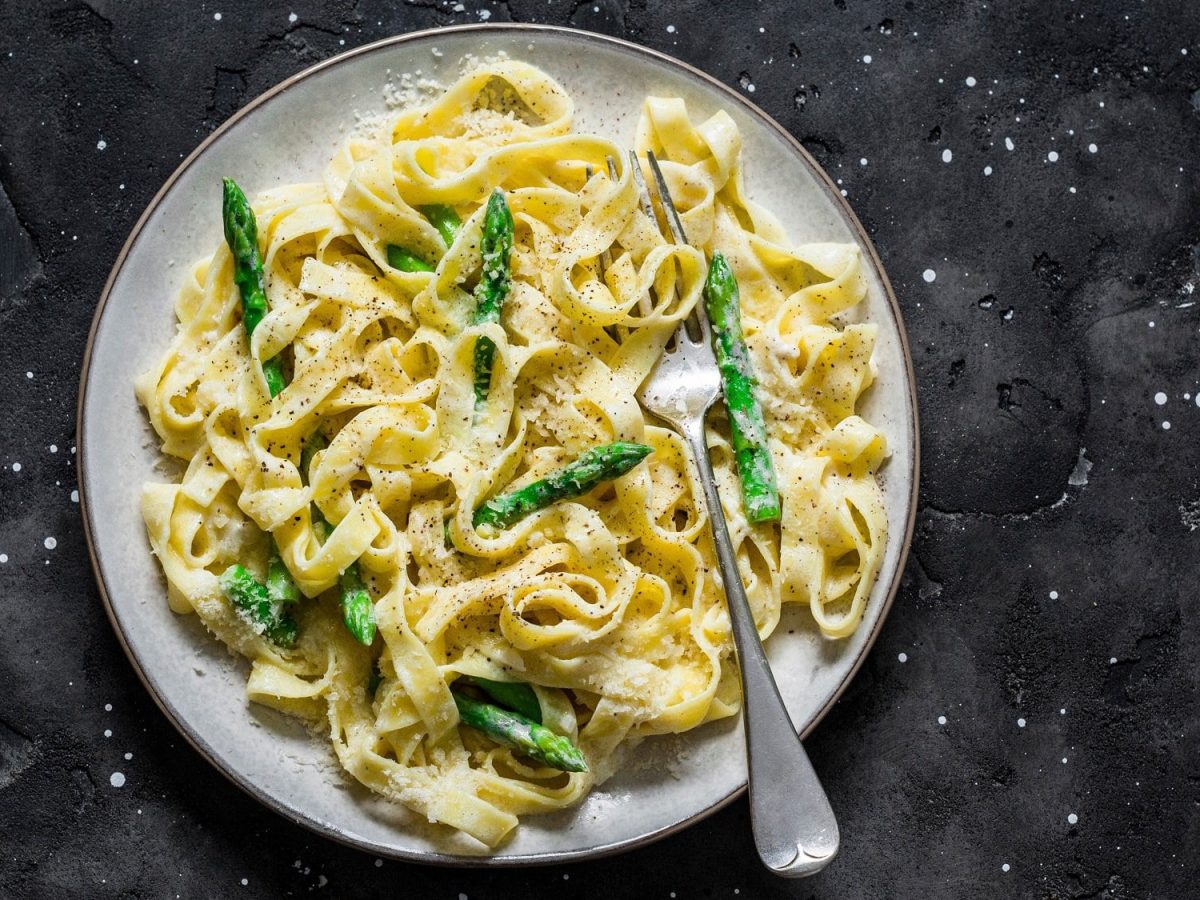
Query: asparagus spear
<point x="760" y="493"/>
<point x="252" y="600"/>
<point x="522" y="734"/>
<point x="574" y="480"/>
<point x="514" y="695"/>
<point x="280" y="586"/>
<point x="405" y="260"/>
<point x="241" y="234"/>
<point x="358" y="610"/>
<point x="447" y="223"/>
<point x="444" y="219"/>
<point x="495" y="282"/>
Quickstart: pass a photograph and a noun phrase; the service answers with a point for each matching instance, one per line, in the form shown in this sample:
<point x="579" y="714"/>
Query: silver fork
<point x="795" y="829"/>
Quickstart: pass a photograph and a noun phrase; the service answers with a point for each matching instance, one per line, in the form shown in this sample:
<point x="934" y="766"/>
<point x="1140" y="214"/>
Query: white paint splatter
<point x="108" y="732"/>
<point x="1166" y="426"/>
<point x="987" y="170"/>
<point x="128" y="756"/>
<point x="1092" y="148"/>
<point x="217" y="16"/>
<point x="941" y="720"/>
<point x="1160" y="398"/>
<point x="117" y="779"/>
<point x="1005" y="867"/>
<point x="50" y="543"/>
<point x="292" y="17"/>
<point x="670" y="29"/>
<point x="1054" y="595"/>
<point x="903" y="657"/>
<point x="101" y="144"/>
<point x="1072" y="819"/>
<point x="108" y="707"/>
<point x="74" y="496"/>
<point x="867" y="59"/>
<point x="1052" y="156"/>
<point x="863" y="161"/>
<point x="971" y="82"/>
<point x="929" y="275"/>
<point x="54" y="448"/>
<point x="3" y="557"/>
<point x="1020" y="723"/>
<point x="16" y="467"/>
<point x="947" y="155"/>
<point x="1008" y="144"/>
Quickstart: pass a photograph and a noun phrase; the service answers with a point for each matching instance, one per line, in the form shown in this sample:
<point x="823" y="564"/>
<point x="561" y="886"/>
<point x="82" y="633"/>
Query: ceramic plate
<point x="287" y="135"/>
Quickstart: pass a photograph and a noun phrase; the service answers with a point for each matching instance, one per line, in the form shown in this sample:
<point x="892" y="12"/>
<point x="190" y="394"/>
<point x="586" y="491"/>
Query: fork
<point x="795" y="829"/>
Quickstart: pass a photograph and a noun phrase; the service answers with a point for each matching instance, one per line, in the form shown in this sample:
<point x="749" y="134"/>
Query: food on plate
<point x="416" y="489"/>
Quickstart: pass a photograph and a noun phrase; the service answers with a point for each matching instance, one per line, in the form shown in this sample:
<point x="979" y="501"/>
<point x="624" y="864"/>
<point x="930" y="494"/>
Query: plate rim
<point x="329" y="829"/>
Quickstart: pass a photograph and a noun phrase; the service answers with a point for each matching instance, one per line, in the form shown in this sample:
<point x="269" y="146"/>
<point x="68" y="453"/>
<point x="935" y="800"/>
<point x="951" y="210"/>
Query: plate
<point x="287" y="135"/>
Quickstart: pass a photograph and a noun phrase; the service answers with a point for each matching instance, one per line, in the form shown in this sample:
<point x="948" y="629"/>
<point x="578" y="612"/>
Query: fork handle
<point x="795" y="829"/>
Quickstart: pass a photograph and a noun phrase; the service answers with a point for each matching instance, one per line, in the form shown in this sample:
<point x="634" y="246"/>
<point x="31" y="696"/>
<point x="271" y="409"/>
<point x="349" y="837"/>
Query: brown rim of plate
<point x="448" y="859"/>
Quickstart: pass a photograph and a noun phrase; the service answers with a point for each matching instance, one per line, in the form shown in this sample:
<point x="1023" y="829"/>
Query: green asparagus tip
<point x="358" y="610"/>
<point x="521" y="734"/>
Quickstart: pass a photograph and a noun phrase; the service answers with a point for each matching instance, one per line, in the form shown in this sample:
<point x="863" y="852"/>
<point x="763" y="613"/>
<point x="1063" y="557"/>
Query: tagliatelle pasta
<point x="609" y="605"/>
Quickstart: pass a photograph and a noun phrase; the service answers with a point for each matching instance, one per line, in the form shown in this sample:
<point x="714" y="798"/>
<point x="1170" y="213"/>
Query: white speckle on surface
<point x="1071" y="189"/>
<point x="128" y="756"/>
<point x="292" y="17"/>
<point x="1166" y="426"/>
<point x="1020" y="723"/>
<point x="1112" y="660"/>
<point x="987" y="170"/>
<point x="245" y="881"/>
<point x="1052" y="156"/>
<point x="1063" y="711"/>
<point x="74" y="496"/>
<point x="485" y="14"/>
<point x="903" y="657"/>
<point x="1004" y="868"/>
<point x="1008" y="144"/>
<point x="971" y="82"/>
<point x="670" y="29"/>
<point x="947" y="155"/>
<point x="1083" y="465"/>
<point x="217" y="16"/>
<point x="16" y="467"/>
<point x="1092" y="148"/>
<point x="54" y="448"/>
<point x="1150" y="324"/>
<point x="117" y="779"/>
<point x="379" y="863"/>
<point x="1064" y="760"/>
<point x="929" y="275"/>
<point x="1072" y="819"/>
<point x="1054" y="595"/>
<point x="867" y="59"/>
<point x="941" y="720"/>
<point x="101" y="144"/>
<point x="462" y="897"/>
<point x="108" y="732"/>
<point x="863" y="161"/>
<point x="3" y="557"/>
<point x="28" y="374"/>
<point x="108" y="707"/>
<point x="1160" y="398"/>
<point x="50" y="543"/>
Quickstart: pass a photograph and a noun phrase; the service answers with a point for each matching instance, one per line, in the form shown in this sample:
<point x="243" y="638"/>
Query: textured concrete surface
<point x="1028" y="724"/>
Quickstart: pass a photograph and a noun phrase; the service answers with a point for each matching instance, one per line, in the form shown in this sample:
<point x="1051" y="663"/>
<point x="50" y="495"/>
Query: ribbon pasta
<point x="608" y="605"/>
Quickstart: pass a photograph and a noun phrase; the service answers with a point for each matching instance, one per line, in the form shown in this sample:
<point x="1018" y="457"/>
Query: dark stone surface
<point x="1062" y="304"/>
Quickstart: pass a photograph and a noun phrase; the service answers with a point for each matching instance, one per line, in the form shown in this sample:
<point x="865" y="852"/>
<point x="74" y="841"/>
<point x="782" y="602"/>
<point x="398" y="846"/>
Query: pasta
<point x="608" y="605"/>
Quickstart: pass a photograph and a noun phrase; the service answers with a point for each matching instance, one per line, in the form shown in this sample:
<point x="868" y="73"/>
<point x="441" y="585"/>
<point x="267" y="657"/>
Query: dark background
<point x="1049" y="607"/>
